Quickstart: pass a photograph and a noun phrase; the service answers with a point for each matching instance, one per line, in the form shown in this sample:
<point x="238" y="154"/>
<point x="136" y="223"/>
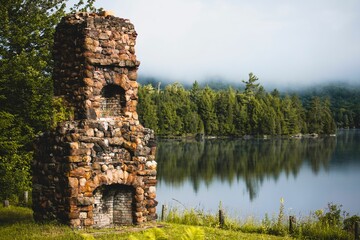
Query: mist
<point x="287" y="44"/>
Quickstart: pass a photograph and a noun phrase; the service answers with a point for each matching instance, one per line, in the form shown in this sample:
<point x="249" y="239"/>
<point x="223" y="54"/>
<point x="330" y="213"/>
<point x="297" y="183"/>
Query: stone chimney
<point x="98" y="169"/>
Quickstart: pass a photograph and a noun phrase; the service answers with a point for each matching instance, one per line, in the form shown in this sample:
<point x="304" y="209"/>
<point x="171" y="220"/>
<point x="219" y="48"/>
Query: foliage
<point x="344" y="103"/>
<point x="193" y="233"/>
<point x="328" y="224"/>
<point x="228" y="112"/>
<point x="14" y="161"/>
<point x="26" y="91"/>
<point x="349" y="223"/>
<point x="61" y="111"/>
<point x="332" y="217"/>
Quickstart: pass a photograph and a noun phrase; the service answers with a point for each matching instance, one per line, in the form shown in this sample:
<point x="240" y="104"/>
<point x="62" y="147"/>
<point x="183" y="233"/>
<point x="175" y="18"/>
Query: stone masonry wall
<point x="90" y="52"/>
<point x="98" y="169"/>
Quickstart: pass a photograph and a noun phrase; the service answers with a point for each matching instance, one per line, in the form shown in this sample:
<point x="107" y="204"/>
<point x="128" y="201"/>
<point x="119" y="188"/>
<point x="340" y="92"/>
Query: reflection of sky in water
<point x="338" y="183"/>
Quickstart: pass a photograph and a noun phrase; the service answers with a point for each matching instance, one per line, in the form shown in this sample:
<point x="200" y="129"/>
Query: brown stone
<point x="103" y="179"/>
<point x="88" y="222"/>
<point x="73" y="159"/>
<point x="82" y="182"/>
<point x="74" y="145"/>
<point x="96" y="166"/>
<point x="90" y="132"/>
<point x="84" y="201"/>
<point x="74" y="215"/>
<point x="139" y="198"/>
<point x="140" y="220"/>
<point x="75" y="222"/>
<point x="151" y="203"/>
<point x="73" y="182"/>
<point x="151" y="182"/>
<point x="133" y="84"/>
<point x="75" y="137"/>
<point x="152" y="210"/>
<point x="78" y="172"/>
<point x="116" y="141"/>
<point x="87" y="208"/>
<point x="132" y="75"/>
<point x="139" y="191"/>
<point x="76" y="152"/>
<point x="152" y="195"/>
<point x="89" y="82"/>
<point x="88" y="194"/>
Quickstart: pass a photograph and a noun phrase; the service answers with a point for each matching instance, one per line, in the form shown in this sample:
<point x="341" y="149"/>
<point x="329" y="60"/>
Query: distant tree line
<point x="252" y="111"/>
<point x="345" y="103"/>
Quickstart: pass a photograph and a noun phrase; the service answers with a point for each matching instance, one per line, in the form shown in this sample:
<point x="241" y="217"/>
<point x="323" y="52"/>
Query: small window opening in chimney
<point x="113" y="101"/>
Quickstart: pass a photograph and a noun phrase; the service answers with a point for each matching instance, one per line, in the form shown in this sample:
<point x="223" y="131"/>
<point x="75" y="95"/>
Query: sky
<point x="284" y="42"/>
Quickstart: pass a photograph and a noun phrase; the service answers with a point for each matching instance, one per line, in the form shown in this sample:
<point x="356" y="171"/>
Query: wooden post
<point x="292" y="222"/>
<point x="163" y="210"/>
<point x="357" y="237"/>
<point x="6" y="203"/>
<point x="26" y="197"/>
<point x="221" y="218"/>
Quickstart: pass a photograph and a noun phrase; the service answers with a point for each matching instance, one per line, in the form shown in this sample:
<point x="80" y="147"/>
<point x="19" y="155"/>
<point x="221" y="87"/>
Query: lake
<point x="249" y="177"/>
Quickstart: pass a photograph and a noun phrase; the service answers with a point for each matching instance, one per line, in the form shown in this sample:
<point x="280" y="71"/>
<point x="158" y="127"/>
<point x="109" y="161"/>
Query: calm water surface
<point x="249" y="177"/>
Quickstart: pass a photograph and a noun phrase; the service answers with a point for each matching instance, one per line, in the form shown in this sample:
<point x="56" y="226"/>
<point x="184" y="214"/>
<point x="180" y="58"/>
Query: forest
<point x="175" y="110"/>
<point x="28" y="108"/>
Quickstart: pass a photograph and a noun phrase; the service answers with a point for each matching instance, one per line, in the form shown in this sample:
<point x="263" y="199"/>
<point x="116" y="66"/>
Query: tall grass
<point x="328" y="224"/>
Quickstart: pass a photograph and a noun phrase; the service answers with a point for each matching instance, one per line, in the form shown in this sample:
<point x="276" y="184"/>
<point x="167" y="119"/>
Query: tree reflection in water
<point x="249" y="160"/>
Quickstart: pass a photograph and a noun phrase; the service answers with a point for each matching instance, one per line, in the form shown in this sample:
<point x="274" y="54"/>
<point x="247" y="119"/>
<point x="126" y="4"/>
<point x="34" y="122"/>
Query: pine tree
<point x="207" y="112"/>
<point x="146" y="108"/>
<point x="26" y="91"/>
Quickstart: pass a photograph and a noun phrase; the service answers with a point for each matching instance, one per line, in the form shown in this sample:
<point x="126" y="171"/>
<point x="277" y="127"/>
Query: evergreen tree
<point x="329" y="125"/>
<point x="26" y="91"/>
<point x="240" y="116"/>
<point x="147" y="108"/>
<point x="300" y="124"/>
<point x="314" y="118"/>
<point x="268" y="120"/>
<point x="251" y="88"/>
<point x="225" y="107"/>
<point x="207" y="112"/>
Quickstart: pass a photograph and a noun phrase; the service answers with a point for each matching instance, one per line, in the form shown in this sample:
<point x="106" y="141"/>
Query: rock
<point x="151" y="165"/>
<point x="73" y="182"/>
<point x="104" y="168"/>
<point x="82" y="182"/>
<point x="152" y="189"/>
<point x="139" y="191"/>
<point x="90" y="132"/>
<point x="85" y="201"/>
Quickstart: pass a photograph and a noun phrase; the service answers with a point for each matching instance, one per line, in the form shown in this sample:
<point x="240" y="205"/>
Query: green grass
<point x="171" y="231"/>
<point x="18" y="223"/>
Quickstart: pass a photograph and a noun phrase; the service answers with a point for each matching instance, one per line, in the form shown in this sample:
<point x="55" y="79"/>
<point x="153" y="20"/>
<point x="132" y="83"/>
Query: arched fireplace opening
<point x="112" y="101"/>
<point x="114" y="205"/>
